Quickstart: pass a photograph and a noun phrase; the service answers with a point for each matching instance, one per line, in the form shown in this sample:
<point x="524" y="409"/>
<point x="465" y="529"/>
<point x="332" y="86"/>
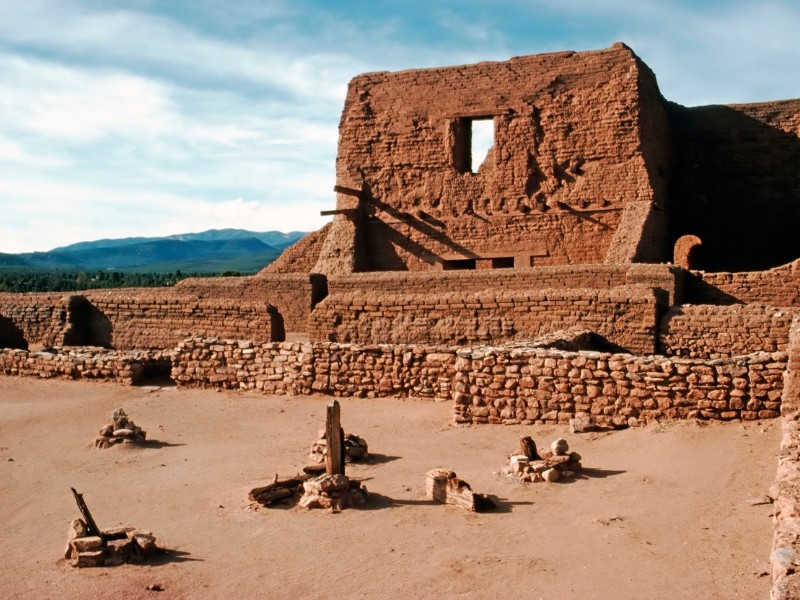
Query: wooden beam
<point x="340" y="189"/>
<point x="338" y="211"/>
<point x="334" y="460"/>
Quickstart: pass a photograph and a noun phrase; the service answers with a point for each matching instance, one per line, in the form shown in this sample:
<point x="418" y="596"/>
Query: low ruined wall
<point x="625" y="317"/>
<point x="36" y="318"/>
<point x="498" y="385"/>
<point x="84" y="363"/>
<point x="293" y="368"/>
<point x="708" y="331"/>
<point x="292" y="294"/>
<point x="151" y="319"/>
<point x="779" y="287"/>
<point x="785" y="555"/>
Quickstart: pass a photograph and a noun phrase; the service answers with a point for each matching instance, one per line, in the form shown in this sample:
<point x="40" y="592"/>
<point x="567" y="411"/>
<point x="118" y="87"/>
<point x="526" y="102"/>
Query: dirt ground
<point x="661" y="512"/>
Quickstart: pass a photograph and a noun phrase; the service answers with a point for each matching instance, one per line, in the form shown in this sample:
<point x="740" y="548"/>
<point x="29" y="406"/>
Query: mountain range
<point x="212" y="251"/>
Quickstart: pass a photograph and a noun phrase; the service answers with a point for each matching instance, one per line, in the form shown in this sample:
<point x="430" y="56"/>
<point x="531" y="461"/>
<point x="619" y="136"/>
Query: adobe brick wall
<point x="624" y="316"/>
<point x="498" y="385"/>
<point x="736" y="183"/>
<point x="578" y="138"/>
<point x="129" y="319"/>
<point x="779" y="286"/>
<point x="292" y="294"/>
<point x="707" y="331"/>
<point x="300" y="257"/>
<point x="83" y="363"/>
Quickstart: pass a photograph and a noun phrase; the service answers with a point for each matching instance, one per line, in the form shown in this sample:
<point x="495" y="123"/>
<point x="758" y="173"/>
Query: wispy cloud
<point x="134" y="117"/>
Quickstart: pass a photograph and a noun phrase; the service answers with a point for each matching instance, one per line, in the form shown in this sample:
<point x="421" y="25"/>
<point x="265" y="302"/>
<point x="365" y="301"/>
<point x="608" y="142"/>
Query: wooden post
<point x="334" y="461"/>
<point x="91" y="526"/>
<point x="528" y="447"/>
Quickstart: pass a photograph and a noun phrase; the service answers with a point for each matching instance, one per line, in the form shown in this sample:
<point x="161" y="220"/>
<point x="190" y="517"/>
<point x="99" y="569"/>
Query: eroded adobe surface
<point x="579" y="139"/>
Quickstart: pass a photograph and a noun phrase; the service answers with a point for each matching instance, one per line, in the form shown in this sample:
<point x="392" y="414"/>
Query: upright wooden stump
<point x="334" y="461"/>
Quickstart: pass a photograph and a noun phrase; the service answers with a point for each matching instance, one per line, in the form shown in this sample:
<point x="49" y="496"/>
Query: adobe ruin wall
<point x="707" y="331"/>
<point x="779" y="286"/>
<point x="578" y="139"/>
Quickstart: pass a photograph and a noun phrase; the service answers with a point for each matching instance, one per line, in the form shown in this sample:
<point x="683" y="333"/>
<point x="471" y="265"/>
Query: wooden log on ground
<point x="280" y="489"/>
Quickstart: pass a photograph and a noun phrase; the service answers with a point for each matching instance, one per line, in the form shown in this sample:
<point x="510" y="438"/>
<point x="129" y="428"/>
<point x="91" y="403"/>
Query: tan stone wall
<point x="497" y="385"/>
<point x="707" y="331"/>
<point x="785" y="556"/>
<point x="577" y="138"/>
<point x="95" y="364"/>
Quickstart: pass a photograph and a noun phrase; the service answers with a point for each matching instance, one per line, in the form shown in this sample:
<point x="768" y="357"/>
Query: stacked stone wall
<point x="38" y="318"/>
<point x="625" y="317"/>
<point x="497" y="385"/>
<point x="708" y="331"/>
<point x="785" y="555"/>
<point x="84" y="363"/>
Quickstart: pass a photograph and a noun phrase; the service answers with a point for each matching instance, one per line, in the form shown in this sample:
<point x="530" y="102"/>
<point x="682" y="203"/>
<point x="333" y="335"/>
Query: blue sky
<point x="154" y="117"/>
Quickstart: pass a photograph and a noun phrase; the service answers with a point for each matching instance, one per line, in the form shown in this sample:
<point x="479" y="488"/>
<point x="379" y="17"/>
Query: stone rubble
<point x="544" y="465"/>
<point x="120" y="430"/>
<point x="355" y="448"/>
<point x="118" y="546"/>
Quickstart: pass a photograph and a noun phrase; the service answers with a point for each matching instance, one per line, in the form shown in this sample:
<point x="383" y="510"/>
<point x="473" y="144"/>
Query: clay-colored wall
<point x="625" y="317"/>
<point x="578" y="137"/>
<point x="779" y="286"/>
<point x="736" y="183"/>
<point x="707" y="331"/>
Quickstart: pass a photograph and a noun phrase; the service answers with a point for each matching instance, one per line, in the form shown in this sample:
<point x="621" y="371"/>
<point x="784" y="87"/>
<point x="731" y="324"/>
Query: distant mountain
<point x="210" y="251"/>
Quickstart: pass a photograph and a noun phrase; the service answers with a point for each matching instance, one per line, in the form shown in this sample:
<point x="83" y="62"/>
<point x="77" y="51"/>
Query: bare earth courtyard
<point x="662" y="512"/>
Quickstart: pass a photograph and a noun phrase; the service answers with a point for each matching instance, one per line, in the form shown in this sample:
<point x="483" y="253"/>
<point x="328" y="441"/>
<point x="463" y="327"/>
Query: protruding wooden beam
<point x="340" y="189"/>
<point x="337" y="211"/>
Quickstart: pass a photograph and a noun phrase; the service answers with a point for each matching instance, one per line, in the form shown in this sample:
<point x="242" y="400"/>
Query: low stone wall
<point x="86" y="363"/>
<point x="708" y="331"/>
<point x="625" y="317"/>
<point x="294" y="368"/>
<point x="501" y="385"/>
<point x="785" y="555"/>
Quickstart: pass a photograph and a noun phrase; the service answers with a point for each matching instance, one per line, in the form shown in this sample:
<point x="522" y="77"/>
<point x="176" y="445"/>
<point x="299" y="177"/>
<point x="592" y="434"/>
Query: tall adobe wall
<point x="736" y="183"/>
<point x="580" y="158"/>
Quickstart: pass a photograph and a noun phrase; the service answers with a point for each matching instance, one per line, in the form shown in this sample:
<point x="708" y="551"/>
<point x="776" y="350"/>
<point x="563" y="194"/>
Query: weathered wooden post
<point x="334" y="461"/>
<point x="91" y="526"/>
<point x="527" y="448"/>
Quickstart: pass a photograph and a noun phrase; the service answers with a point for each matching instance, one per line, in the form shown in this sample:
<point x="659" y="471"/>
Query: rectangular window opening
<point x="467" y="264"/>
<point x="473" y="138"/>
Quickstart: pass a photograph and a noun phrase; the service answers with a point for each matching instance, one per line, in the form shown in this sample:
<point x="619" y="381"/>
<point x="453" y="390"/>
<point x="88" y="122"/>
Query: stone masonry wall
<point x="626" y="316"/>
<point x="37" y="318"/>
<point x="85" y="363"/>
<point x="785" y="556"/>
<point x="498" y="385"/>
<point x="577" y="138"/>
<point x="708" y="331"/>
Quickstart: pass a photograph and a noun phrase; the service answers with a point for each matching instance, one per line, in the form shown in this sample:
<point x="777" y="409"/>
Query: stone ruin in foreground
<point x="613" y="254"/>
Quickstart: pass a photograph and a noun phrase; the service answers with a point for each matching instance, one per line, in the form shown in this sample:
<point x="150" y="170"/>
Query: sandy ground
<point x="661" y="512"/>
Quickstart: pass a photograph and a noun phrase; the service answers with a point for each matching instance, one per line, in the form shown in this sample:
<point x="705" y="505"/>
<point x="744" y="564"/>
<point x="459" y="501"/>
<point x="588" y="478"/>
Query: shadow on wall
<point x="736" y="184"/>
<point x="277" y="328"/>
<point x="11" y="336"/>
<point x="88" y="326"/>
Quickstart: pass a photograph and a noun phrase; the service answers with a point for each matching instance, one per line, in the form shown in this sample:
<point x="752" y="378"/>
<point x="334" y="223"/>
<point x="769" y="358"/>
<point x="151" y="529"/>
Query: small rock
<point x="633" y="422"/>
<point x="551" y="475"/>
<point x="581" y="423"/>
<point x="559" y="446"/>
<point x="155" y="587"/>
<point x="91" y="558"/>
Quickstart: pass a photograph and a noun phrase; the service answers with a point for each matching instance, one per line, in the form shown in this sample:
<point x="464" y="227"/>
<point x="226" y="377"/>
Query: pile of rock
<point x="113" y="547"/>
<point x="333" y="492"/>
<point x="355" y="448"/>
<point x="442" y="485"/>
<point x="531" y="465"/>
<point x="120" y="429"/>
